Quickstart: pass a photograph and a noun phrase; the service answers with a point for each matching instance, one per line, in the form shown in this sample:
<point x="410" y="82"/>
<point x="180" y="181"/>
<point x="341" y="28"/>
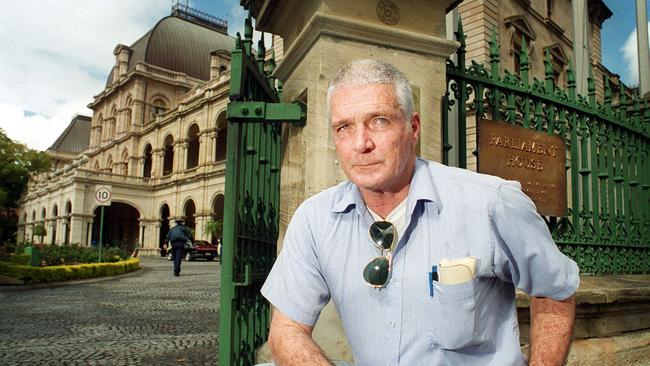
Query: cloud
<point x="630" y="53"/>
<point x="57" y="55"/>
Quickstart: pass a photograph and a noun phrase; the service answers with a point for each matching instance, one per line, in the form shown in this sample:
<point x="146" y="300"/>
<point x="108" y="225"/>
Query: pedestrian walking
<point x="178" y="237"/>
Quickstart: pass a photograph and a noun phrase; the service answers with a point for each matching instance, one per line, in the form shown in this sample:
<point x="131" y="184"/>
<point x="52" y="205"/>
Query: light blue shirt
<point x="451" y="213"/>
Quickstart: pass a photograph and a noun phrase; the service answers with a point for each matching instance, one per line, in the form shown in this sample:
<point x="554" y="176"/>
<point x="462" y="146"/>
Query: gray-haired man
<point x="376" y="243"/>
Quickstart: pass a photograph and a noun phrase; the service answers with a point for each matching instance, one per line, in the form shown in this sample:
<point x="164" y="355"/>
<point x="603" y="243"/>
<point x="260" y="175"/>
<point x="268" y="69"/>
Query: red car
<point x="201" y="249"/>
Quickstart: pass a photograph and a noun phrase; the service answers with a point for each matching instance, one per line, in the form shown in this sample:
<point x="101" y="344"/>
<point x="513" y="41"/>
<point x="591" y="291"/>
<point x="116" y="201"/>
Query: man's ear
<point x="415" y="126"/>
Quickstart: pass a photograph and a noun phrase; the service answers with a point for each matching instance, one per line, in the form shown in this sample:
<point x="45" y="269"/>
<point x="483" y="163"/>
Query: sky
<point x="56" y="54"/>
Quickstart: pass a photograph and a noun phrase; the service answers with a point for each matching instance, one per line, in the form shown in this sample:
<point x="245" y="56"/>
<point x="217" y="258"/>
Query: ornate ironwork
<point x="252" y="198"/>
<point x="607" y="227"/>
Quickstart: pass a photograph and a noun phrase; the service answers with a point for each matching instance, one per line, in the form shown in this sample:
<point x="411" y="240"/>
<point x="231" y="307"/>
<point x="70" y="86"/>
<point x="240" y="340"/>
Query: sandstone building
<point x="158" y="131"/>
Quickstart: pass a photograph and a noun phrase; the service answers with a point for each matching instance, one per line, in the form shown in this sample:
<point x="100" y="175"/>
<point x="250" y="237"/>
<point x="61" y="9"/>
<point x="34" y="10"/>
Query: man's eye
<point x="381" y="121"/>
<point x="342" y="128"/>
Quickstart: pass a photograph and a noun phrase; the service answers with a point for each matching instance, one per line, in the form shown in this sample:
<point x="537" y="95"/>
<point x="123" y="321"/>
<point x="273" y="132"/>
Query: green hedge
<point x="33" y="275"/>
<point x="21" y="259"/>
<point x="55" y="255"/>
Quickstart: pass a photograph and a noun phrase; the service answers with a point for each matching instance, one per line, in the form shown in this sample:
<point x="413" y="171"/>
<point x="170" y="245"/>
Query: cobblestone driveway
<point x="145" y="318"/>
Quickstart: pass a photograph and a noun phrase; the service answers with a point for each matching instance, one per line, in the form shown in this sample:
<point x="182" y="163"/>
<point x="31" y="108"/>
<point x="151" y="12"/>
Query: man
<point x="178" y="236"/>
<point x="393" y="309"/>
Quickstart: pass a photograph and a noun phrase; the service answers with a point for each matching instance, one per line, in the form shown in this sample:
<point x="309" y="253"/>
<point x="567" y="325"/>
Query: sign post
<point x="103" y="195"/>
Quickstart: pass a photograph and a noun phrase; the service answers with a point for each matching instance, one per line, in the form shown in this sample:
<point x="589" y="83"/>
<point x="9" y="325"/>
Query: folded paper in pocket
<point x="455" y="271"/>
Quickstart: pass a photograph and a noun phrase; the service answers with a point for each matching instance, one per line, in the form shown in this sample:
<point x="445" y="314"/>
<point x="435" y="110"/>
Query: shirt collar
<point x="422" y="188"/>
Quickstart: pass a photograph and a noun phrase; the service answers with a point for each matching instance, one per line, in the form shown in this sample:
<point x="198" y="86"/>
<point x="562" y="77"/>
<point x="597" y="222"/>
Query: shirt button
<point x="392" y="324"/>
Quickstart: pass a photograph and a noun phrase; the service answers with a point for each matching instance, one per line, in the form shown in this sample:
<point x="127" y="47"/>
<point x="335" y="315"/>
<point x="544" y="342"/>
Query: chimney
<point x="122" y="54"/>
<point x="219" y="63"/>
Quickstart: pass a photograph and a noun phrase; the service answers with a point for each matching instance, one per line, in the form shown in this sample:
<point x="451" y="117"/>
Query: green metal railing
<point x="607" y="227"/>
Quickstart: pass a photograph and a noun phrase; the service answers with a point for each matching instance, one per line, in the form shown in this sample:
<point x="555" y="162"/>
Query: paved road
<point x="145" y="318"/>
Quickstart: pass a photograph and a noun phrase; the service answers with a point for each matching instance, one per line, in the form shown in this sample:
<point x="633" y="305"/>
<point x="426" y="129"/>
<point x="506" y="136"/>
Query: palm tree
<point x="213" y="228"/>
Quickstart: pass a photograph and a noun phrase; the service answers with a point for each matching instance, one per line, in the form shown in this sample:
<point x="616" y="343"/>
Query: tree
<point x="213" y="228"/>
<point x="17" y="163"/>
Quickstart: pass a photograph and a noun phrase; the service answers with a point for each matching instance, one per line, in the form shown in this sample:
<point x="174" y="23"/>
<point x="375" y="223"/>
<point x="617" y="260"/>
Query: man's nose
<point x="362" y="141"/>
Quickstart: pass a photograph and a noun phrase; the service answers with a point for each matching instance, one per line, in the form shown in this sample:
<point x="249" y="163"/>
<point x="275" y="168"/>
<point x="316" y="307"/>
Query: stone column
<point x="77" y="229"/>
<point x="320" y="37"/>
<point x="208" y="149"/>
<point x="157" y="162"/>
<point x="50" y="227"/>
<point x="180" y="156"/>
<point x="154" y="235"/>
<point x="580" y="44"/>
<point x="201" y="219"/>
<point x="204" y="142"/>
<point x="642" y="44"/>
<point x="138" y="113"/>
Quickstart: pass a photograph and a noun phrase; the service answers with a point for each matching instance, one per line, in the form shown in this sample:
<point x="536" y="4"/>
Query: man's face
<point x="375" y="145"/>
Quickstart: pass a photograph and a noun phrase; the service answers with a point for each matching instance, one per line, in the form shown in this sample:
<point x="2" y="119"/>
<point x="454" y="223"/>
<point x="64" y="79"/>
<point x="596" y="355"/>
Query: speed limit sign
<point x="103" y="195"/>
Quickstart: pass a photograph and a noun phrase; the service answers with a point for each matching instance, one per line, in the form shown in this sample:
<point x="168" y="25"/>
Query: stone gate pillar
<point x="320" y="37"/>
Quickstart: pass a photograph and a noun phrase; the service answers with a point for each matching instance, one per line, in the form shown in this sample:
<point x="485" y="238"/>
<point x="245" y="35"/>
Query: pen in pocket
<point x="433" y="276"/>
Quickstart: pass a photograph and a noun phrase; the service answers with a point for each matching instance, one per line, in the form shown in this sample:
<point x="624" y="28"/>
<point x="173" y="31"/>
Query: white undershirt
<point x="397" y="217"/>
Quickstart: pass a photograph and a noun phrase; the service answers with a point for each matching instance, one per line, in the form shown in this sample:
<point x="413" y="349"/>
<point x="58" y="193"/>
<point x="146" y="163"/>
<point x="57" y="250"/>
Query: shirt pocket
<point x="457" y="322"/>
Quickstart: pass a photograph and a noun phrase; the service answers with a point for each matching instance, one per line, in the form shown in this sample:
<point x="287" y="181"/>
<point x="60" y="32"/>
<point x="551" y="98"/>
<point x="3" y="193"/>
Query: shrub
<point x="21" y="259"/>
<point x="54" y="255"/>
<point x="33" y="275"/>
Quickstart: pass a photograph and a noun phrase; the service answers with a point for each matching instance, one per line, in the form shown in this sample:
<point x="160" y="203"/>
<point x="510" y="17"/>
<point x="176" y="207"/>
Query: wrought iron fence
<point x="607" y="226"/>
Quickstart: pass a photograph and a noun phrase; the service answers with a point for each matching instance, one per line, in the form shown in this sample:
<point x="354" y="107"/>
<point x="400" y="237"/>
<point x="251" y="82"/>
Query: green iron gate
<point x="607" y="228"/>
<point x="252" y="198"/>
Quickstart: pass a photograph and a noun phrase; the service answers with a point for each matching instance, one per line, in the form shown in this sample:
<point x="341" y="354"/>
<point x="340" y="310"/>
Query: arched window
<point x="222" y="137"/>
<point x="109" y="164"/>
<point x="147" y="161"/>
<point x="193" y="146"/>
<point x="168" y="161"/>
<point x="519" y="31"/>
<point x="217" y="214"/>
<point x="127" y="111"/>
<point x="125" y="162"/>
<point x="55" y="213"/>
<point x="164" y="224"/>
<point x="189" y="211"/>
<point x="158" y="108"/>
<point x="68" y="219"/>
<point x="25" y="229"/>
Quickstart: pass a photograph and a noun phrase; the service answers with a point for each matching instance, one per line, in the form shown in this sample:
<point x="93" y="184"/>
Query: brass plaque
<point x="533" y="158"/>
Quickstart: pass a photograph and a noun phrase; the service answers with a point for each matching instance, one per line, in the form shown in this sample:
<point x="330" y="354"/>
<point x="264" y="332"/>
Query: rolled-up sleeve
<point x="295" y="285"/>
<point x="525" y="253"/>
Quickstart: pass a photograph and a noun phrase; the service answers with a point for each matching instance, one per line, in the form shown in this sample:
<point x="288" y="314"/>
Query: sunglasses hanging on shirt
<point x="377" y="272"/>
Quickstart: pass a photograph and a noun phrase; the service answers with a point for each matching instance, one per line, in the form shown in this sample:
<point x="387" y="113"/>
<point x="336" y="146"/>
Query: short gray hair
<point x="365" y="72"/>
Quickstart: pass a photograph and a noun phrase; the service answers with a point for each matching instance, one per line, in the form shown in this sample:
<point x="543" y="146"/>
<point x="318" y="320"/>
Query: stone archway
<point x="164" y="225"/>
<point x="121" y="226"/>
<point x="189" y="212"/>
<point x="217" y="215"/>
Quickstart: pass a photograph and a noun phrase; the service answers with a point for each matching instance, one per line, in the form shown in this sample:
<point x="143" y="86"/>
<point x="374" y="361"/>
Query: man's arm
<point x="551" y="330"/>
<point x="291" y="343"/>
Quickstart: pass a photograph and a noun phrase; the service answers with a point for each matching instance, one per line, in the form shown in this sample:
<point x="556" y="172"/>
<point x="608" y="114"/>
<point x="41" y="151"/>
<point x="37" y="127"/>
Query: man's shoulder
<point x="444" y="175"/>
<point x="326" y="200"/>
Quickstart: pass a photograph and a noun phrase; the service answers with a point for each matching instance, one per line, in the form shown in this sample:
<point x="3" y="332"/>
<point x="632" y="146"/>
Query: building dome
<point x="180" y="45"/>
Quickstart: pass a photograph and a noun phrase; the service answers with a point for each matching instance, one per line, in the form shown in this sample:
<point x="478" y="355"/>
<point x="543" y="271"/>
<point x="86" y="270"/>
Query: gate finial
<point x="524" y="61"/>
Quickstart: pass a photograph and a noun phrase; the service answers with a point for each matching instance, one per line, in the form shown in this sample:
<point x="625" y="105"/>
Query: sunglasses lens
<point x="382" y="233"/>
<point x="376" y="272"/>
